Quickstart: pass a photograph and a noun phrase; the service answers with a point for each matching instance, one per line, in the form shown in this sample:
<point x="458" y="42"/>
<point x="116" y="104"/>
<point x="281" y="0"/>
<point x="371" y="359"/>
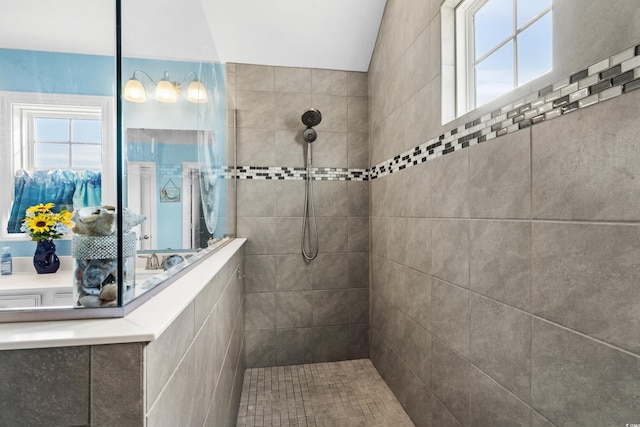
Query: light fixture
<point x="165" y="90"/>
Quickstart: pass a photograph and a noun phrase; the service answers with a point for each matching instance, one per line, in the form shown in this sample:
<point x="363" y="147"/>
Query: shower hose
<point x="312" y="233"/>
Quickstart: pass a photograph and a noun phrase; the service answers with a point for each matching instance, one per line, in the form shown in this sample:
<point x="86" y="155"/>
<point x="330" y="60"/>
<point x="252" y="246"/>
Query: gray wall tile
<point x="294" y="309"/>
<point x="292" y="273"/>
<point x="330" y="149"/>
<point x="499" y="175"/>
<point x="492" y="405"/>
<point x="260" y="311"/>
<point x="255" y="109"/>
<point x="358" y="234"/>
<point x="332" y="234"/>
<point x="260" y="348"/>
<point x="418" y="350"/>
<point x="397" y="239"/>
<point x="357" y="84"/>
<point x="260" y="234"/>
<point x="289" y="148"/>
<point x="331" y="343"/>
<point x="358" y="150"/>
<point x="358" y="341"/>
<point x="581" y="271"/>
<point x="289" y="198"/>
<point x="358" y="305"/>
<point x="417" y="298"/>
<point x="577" y="380"/>
<point x="567" y="184"/>
<point x="417" y="183"/>
<point x="289" y="109"/>
<point x="117" y="385"/>
<point x="450" y="381"/>
<point x="358" y="195"/>
<point x="175" y="405"/>
<point x="501" y="344"/>
<point x="331" y="198"/>
<point x="254" y="77"/>
<point x="330" y="307"/>
<point x="450" y="315"/>
<point x="450" y="185"/>
<point x="334" y="112"/>
<point x="163" y="355"/>
<point x="294" y="346"/>
<point x="357" y="114"/>
<point x="293" y="80"/>
<point x="260" y="273"/>
<point x="256" y="198"/>
<point x="256" y="147"/>
<point x="500" y="266"/>
<point x="287" y="238"/>
<point x="57" y="391"/>
<point x="441" y="417"/>
<point x="330" y="271"/>
<point x="418" y="241"/>
<point x="450" y="250"/>
<point x="329" y="82"/>
<point x="358" y="270"/>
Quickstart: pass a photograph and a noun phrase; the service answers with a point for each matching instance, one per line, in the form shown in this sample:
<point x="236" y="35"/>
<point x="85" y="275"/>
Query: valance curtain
<point x="65" y="188"/>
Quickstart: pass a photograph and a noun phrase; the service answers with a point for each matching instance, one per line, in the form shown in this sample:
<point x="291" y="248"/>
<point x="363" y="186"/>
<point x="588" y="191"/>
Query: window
<point x="500" y="45"/>
<point x="63" y="138"/>
<point x="53" y="131"/>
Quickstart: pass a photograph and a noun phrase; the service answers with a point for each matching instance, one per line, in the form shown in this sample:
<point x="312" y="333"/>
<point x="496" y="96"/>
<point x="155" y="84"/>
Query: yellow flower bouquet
<point x="41" y="223"/>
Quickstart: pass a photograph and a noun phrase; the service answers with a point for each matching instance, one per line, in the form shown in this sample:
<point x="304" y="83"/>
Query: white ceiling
<point x="331" y="34"/>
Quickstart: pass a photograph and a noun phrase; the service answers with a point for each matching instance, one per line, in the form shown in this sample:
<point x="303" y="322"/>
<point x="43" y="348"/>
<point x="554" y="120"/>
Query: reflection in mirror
<point x="58" y="137"/>
<point x="165" y="184"/>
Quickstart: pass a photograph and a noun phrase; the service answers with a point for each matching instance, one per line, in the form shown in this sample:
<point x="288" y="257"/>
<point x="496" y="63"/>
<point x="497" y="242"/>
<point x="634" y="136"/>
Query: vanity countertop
<point x="26" y="282"/>
<point x="144" y="324"/>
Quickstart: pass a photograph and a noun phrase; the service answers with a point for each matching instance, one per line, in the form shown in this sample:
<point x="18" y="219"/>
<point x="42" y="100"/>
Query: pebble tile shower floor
<point x="336" y="394"/>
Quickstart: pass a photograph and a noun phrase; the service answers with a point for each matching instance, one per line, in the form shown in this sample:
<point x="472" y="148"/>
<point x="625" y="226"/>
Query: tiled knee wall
<point x="297" y="312"/>
<point x="193" y="372"/>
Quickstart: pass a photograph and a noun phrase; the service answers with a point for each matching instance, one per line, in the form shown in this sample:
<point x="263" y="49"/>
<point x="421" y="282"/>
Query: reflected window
<point x="54" y="141"/>
<point x="64" y="140"/>
<point x="501" y="45"/>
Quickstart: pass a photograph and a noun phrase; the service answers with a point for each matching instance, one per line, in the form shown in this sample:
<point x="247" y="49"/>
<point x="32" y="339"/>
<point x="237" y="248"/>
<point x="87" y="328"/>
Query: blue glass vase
<point x="45" y="259"/>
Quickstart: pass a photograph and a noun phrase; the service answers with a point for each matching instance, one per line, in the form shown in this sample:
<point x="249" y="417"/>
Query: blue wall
<point x="65" y="73"/>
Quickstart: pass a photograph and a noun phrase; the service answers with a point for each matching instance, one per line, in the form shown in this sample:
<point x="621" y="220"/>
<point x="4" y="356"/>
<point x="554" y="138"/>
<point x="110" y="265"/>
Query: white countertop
<point x="144" y="324"/>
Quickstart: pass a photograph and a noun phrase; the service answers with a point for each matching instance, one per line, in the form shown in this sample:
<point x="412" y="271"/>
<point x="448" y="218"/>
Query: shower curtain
<point x="65" y="188"/>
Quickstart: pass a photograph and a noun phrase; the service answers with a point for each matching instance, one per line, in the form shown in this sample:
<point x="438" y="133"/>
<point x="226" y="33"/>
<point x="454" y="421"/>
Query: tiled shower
<point x="298" y="312"/>
<point x="502" y="248"/>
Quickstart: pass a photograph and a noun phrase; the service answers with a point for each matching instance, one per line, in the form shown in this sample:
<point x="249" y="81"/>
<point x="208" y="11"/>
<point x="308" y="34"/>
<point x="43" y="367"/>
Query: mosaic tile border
<point x="298" y="173"/>
<point x="604" y="80"/>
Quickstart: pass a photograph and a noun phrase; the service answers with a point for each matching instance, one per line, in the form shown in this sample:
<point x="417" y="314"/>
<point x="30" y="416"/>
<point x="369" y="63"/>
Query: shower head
<point x="309" y="135"/>
<point x="311" y="117"/>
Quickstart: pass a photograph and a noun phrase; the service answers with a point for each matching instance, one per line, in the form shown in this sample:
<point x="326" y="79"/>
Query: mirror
<point x="58" y="118"/>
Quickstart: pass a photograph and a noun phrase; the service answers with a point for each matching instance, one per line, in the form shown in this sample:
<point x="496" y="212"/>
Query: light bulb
<point x="134" y="91"/>
<point x="166" y="91"/>
<point x="197" y="93"/>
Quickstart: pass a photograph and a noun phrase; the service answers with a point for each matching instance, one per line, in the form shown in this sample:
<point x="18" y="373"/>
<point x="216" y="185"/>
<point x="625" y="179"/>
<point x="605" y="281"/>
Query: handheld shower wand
<point x="310" y="118"/>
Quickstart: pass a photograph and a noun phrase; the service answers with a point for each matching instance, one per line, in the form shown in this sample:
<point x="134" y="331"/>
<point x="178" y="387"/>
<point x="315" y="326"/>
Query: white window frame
<point x="458" y="63"/>
<point x="25" y="115"/>
<point x="14" y="146"/>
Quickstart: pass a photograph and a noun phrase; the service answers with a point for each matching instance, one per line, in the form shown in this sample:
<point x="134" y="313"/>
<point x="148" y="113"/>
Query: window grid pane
<point x="494" y="68"/>
<point x="86" y="130"/>
<point x="49" y="155"/>
<point x="51" y="130"/>
<point x="493" y="23"/>
<point x="534" y="50"/>
<point x="495" y="75"/>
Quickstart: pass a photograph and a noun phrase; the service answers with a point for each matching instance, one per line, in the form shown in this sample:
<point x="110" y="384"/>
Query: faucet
<point x="152" y="262"/>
